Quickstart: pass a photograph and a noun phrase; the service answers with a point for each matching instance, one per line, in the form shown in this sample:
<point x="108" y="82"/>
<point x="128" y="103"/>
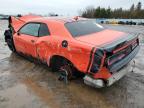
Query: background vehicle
<point x="70" y="44"/>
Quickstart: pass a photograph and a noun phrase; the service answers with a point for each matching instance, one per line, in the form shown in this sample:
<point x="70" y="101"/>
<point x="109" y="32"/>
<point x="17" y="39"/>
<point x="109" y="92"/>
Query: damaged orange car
<point x="71" y="44"/>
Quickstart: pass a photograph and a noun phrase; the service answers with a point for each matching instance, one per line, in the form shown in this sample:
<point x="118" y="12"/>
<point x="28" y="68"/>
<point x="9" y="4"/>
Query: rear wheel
<point x="69" y="72"/>
<point x="64" y="67"/>
<point x="66" y="72"/>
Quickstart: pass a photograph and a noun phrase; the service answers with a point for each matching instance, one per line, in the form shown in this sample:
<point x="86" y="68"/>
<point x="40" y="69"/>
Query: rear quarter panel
<point x="76" y="52"/>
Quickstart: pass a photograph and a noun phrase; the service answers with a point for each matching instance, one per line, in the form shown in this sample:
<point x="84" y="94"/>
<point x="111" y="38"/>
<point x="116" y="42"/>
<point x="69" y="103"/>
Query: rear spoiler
<point x="15" y="23"/>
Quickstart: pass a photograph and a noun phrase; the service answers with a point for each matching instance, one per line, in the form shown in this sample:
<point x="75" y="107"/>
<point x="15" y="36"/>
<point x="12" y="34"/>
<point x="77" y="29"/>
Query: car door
<point x="43" y="44"/>
<point x="26" y="39"/>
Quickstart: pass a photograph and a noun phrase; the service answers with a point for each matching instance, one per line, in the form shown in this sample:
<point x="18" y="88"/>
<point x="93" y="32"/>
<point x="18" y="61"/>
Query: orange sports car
<point x="71" y="45"/>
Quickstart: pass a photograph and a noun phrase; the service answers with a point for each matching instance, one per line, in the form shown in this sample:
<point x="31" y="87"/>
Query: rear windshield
<point x="85" y="27"/>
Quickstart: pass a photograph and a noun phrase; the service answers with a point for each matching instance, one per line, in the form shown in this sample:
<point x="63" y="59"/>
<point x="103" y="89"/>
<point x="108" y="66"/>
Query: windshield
<point x="85" y="27"/>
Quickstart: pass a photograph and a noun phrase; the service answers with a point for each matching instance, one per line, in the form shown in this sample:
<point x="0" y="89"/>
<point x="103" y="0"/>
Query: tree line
<point x="135" y="12"/>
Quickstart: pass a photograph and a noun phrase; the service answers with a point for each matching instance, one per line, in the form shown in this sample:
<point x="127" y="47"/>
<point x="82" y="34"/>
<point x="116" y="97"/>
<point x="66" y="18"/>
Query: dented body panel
<point x="90" y="54"/>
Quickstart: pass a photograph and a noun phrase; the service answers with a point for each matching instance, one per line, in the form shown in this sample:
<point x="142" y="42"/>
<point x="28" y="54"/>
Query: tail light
<point x="120" y="55"/>
<point x="97" y="60"/>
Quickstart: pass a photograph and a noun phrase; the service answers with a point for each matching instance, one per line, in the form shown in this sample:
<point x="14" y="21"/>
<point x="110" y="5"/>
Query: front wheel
<point x="9" y="40"/>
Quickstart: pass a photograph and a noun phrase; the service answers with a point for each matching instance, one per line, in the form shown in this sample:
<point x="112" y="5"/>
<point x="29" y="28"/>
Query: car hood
<point x="101" y="38"/>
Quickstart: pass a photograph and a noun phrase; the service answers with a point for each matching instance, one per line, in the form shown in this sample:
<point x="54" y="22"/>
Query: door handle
<point x="32" y="41"/>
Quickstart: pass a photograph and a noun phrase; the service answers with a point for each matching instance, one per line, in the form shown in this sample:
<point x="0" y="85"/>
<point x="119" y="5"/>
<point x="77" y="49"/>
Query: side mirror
<point x="18" y="34"/>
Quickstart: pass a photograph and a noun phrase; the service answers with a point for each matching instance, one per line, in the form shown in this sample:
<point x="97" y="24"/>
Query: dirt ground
<point x="24" y="84"/>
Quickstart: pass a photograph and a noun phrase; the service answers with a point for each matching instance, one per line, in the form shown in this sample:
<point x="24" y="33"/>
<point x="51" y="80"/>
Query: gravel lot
<point x="24" y="84"/>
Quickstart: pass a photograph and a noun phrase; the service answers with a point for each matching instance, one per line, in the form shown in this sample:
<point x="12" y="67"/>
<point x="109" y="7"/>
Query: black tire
<point x="62" y="66"/>
<point x="55" y="64"/>
<point x="71" y="71"/>
<point x="9" y="40"/>
<point x="11" y="45"/>
<point x="68" y="71"/>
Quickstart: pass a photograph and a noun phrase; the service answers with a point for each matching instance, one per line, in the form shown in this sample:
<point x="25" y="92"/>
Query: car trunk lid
<point x="101" y="38"/>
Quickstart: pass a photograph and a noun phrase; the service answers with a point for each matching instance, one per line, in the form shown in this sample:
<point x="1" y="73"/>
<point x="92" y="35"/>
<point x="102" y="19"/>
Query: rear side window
<point x="30" y="29"/>
<point x="43" y="31"/>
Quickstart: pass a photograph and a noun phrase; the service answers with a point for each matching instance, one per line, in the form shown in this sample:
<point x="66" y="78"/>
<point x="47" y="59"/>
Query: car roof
<point x="58" y="19"/>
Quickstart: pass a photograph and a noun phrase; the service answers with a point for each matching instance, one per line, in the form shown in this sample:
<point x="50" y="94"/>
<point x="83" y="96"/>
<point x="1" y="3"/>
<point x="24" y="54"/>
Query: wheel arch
<point x="60" y="57"/>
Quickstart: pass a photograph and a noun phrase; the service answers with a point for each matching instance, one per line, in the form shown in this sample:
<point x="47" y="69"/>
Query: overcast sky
<point x="63" y="7"/>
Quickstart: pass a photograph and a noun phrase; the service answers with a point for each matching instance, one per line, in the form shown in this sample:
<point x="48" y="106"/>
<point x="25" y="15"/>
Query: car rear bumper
<point x="99" y="83"/>
<point x="117" y="76"/>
